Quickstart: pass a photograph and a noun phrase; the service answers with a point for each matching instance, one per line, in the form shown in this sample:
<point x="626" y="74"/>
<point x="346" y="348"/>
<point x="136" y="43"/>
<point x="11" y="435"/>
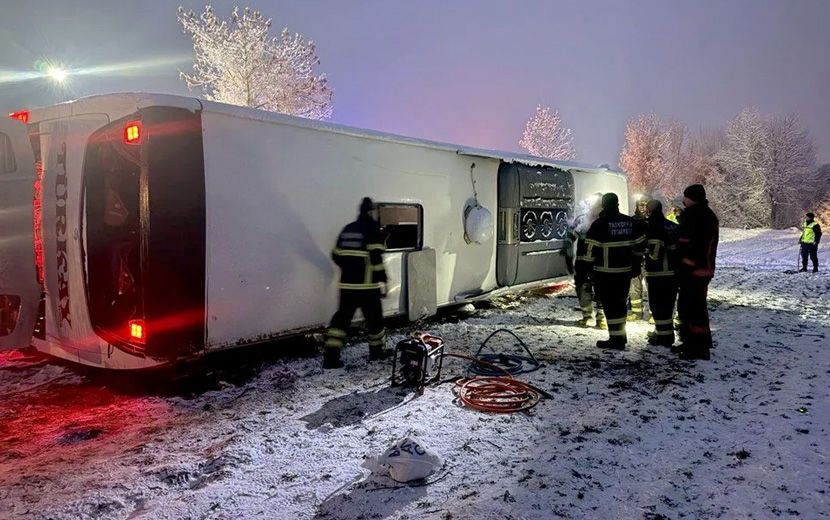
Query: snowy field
<point x="634" y="434"/>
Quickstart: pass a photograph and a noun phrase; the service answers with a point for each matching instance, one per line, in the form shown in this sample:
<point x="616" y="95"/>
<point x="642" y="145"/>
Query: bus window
<point x="111" y="181"/>
<point x="402" y="224"/>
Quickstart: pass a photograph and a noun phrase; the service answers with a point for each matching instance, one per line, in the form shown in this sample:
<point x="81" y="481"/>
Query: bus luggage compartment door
<point x="19" y="288"/>
<point x="535" y="205"/>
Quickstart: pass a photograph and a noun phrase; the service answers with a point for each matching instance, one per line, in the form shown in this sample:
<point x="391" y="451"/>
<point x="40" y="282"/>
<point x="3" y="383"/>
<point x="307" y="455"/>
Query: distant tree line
<point x="759" y="171"/>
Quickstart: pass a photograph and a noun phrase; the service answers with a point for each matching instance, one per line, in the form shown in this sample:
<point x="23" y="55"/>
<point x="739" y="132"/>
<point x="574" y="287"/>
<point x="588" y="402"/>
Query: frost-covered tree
<point x="545" y="136"/>
<point x="643" y="157"/>
<point x="767" y="172"/>
<point x="740" y="191"/>
<point x="699" y="156"/>
<point x="792" y="176"/>
<point x="677" y="172"/>
<point x="820" y="202"/>
<point x="238" y="62"/>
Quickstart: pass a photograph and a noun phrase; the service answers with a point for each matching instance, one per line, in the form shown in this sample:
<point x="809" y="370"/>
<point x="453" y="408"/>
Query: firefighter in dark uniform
<point x="359" y="254"/>
<point x="635" y="292"/>
<point x="615" y="242"/>
<point x="660" y="264"/>
<point x="810" y="238"/>
<point x="586" y="291"/>
<point x="697" y="246"/>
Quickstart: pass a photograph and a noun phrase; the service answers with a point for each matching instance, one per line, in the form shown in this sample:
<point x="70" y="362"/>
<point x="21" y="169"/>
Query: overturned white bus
<point x="141" y="229"/>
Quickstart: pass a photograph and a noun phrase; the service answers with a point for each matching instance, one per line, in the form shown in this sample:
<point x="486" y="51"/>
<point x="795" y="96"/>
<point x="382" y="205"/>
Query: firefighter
<point x="810" y="237"/>
<point x="660" y="263"/>
<point x="586" y="292"/>
<point x="697" y="245"/>
<point x="359" y="254"/>
<point x="635" y="292"/>
<point x="613" y="239"/>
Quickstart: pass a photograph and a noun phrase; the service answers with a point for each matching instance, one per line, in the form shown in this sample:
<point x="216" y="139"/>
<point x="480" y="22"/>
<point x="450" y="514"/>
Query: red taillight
<point x="137" y="332"/>
<point x="132" y="133"/>
<point x="22" y="115"/>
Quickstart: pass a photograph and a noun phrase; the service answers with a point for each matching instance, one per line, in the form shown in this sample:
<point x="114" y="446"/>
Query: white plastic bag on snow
<point x="406" y="460"/>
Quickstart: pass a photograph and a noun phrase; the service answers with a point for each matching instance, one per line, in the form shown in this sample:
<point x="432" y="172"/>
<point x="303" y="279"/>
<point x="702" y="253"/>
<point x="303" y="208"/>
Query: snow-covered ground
<point x="634" y="434"/>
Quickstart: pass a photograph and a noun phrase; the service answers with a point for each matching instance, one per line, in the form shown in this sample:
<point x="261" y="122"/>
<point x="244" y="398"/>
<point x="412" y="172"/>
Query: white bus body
<point x="168" y="227"/>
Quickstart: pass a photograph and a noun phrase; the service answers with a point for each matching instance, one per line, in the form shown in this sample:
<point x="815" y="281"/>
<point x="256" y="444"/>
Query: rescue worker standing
<point x="612" y="241"/>
<point x="586" y="292"/>
<point x="810" y="237"/>
<point x="635" y="293"/>
<point x="660" y="264"/>
<point x="359" y="254"/>
<point x="697" y="245"/>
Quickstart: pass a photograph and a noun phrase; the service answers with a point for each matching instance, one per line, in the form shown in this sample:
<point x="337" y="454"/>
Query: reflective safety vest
<point x="808" y="235"/>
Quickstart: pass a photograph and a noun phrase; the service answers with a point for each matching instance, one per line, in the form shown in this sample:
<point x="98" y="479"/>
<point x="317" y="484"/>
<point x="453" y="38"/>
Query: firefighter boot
<point x="692" y="353"/>
<point x="331" y="358"/>
<point x="582" y="322"/>
<point x="611" y="344"/>
<point x="655" y="339"/>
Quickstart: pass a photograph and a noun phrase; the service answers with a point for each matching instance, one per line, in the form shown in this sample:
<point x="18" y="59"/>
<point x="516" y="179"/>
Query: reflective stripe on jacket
<point x="661" y="246"/>
<point x="359" y="254"/>
<point x="615" y="241"/>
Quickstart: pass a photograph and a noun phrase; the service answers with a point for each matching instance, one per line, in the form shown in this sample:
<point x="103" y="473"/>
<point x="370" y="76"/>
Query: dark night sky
<point x="472" y="72"/>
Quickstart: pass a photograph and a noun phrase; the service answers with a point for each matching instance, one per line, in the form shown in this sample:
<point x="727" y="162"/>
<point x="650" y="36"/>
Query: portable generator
<point x="417" y="361"/>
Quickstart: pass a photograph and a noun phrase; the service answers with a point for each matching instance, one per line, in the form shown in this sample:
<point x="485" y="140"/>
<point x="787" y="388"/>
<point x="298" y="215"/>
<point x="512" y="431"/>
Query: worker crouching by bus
<point x="359" y="254"/>
<point x="615" y="243"/>
<point x="660" y="264"/>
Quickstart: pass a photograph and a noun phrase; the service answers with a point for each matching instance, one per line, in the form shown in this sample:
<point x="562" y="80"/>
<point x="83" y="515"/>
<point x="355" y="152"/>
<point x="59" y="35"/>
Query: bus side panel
<point x="278" y="195"/>
<point x="174" y="255"/>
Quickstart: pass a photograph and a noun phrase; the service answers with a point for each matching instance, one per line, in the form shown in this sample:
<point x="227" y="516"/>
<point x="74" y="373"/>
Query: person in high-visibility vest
<point x="359" y="254"/>
<point x="810" y="237"/>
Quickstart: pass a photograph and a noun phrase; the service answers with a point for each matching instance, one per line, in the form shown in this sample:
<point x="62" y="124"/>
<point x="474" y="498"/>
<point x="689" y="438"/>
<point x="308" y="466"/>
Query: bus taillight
<point x="132" y="133"/>
<point x="21" y="115"/>
<point x="137" y="331"/>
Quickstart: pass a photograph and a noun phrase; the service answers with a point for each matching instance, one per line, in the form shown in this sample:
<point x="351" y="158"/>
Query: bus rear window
<point x="113" y="231"/>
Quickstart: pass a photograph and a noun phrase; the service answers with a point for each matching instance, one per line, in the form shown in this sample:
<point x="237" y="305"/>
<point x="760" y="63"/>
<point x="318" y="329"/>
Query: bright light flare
<point x="60" y="73"/>
<point x="57" y="74"/>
